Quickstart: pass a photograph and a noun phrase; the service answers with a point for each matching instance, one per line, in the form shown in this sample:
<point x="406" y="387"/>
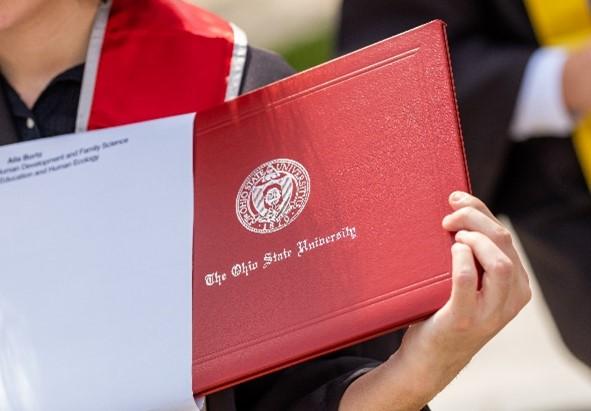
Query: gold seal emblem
<point x="273" y="196"/>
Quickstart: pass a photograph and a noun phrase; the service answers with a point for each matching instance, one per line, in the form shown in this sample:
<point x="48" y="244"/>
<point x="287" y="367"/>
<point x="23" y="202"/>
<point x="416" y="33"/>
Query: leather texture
<point x="379" y="135"/>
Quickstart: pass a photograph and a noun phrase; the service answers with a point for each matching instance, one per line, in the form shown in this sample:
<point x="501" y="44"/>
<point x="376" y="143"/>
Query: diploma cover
<point x="318" y="208"/>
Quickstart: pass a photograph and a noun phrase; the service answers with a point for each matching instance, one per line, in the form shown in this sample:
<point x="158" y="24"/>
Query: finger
<point x="498" y="267"/>
<point x="472" y="219"/>
<point x="464" y="280"/>
<point x="460" y="199"/>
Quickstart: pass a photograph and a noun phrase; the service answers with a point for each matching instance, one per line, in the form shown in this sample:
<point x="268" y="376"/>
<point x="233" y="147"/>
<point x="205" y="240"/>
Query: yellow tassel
<point x="582" y="142"/>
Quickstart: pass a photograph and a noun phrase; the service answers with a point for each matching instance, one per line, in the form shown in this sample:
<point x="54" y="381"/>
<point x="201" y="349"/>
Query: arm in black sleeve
<point x="490" y="42"/>
<point x="317" y="384"/>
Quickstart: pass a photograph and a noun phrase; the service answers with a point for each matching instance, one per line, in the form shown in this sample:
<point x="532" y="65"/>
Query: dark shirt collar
<point x="55" y="110"/>
<point x="16" y="104"/>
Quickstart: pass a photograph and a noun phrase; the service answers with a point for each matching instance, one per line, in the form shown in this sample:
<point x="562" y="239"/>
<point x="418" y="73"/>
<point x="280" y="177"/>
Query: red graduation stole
<point x="157" y="58"/>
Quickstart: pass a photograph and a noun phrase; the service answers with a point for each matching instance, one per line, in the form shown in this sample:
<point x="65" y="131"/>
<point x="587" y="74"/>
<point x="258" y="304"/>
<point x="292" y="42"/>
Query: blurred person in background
<point x="523" y="84"/>
<point x="74" y="65"/>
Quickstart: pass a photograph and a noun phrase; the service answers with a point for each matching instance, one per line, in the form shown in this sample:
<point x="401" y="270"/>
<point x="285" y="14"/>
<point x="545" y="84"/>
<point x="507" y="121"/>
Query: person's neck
<point x="33" y="52"/>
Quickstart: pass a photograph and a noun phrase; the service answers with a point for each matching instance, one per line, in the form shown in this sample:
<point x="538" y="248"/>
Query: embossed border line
<point x="322" y="86"/>
<point x="343" y="311"/>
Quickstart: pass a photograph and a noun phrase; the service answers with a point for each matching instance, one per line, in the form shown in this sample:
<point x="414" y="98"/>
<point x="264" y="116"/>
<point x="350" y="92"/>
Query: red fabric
<point x="162" y="58"/>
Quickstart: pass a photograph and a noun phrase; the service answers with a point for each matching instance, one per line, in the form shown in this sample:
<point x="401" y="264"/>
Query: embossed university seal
<point x="273" y="196"/>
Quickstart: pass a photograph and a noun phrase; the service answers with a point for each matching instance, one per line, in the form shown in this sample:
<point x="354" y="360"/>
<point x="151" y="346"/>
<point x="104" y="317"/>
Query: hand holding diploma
<point x="434" y="351"/>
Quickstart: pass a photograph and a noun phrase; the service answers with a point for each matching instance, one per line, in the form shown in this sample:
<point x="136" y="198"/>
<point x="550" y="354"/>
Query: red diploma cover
<point x="319" y="202"/>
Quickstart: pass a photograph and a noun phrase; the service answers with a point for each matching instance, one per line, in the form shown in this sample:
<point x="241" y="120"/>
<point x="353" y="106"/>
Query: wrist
<point x="574" y="82"/>
<point x="568" y="86"/>
<point x="391" y="386"/>
<point x="420" y="374"/>
<point x="424" y="369"/>
<point x="433" y="358"/>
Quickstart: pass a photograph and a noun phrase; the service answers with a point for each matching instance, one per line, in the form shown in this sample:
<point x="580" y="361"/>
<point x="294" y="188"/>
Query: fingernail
<point x="445" y="220"/>
<point x="457" y="196"/>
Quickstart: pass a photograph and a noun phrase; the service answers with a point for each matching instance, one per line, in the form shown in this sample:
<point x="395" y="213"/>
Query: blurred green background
<point x="306" y="53"/>
<point x="302" y="31"/>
